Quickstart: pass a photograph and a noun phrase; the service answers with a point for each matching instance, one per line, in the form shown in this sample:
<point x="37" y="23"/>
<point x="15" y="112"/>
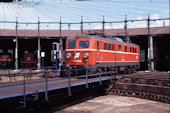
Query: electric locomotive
<point x="5" y="60"/>
<point x="28" y="60"/>
<point x="101" y="54"/>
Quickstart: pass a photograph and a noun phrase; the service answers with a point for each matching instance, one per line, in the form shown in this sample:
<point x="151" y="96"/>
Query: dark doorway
<point x="7" y="47"/>
<point x="142" y="41"/>
<point x="162" y="53"/>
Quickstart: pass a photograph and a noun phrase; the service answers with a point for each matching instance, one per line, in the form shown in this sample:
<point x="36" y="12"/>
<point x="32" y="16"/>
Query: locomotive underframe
<point x="125" y="67"/>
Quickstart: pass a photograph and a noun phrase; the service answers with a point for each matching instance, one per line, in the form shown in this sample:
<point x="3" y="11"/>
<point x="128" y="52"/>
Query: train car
<point x="101" y="54"/>
<point x="5" y="60"/>
<point x="29" y="61"/>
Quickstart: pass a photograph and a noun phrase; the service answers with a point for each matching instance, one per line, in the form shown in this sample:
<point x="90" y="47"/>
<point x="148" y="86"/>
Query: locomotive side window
<point x="83" y="44"/>
<point x="113" y="47"/>
<point x="120" y="48"/>
<point x="133" y="49"/>
<point x="105" y="45"/>
<point x="109" y="46"/>
<point x="97" y="44"/>
<point x="71" y="44"/>
<point x="125" y="48"/>
<point x="130" y="49"/>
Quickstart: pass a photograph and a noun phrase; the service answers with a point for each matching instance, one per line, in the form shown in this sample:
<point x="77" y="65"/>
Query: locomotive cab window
<point x="83" y="44"/>
<point x="71" y="44"/>
<point x="120" y="48"/>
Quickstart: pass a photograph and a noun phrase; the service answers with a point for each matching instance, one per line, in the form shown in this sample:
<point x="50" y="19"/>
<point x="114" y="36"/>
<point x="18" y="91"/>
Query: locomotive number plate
<point x="77" y="60"/>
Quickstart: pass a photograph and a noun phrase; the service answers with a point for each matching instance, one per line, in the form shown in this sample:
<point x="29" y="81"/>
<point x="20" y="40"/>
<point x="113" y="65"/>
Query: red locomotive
<point x="5" y="60"/>
<point x="29" y="61"/>
<point x="101" y="54"/>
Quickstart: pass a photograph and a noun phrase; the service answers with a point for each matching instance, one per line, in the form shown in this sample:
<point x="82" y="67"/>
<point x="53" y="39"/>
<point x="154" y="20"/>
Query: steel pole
<point x="39" y="46"/>
<point x="16" y="45"/>
<point x="125" y="28"/>
<point x="103" y="26"/>
<point x="61" y="47"/>
<point x="46" y="86"/>
<point x="87" y="78"/>
<point x="24" y="95"/>
<point x="151" y="53"/>
<point x="81" y="25"/>
<point x="69" y="83"/>
<point x="149" y="59"/>
<point x="100" y="82"/>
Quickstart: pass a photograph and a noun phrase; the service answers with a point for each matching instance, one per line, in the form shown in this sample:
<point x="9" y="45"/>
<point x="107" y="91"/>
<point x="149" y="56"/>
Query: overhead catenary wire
<point x="98" y="8"/>
<point x="85" y="22"/>
<point x="88" y="8"/>
<point x="101" y="14"/>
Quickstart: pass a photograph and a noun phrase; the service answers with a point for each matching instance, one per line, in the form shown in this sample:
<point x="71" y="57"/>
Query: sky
<point x="91" y="10"/>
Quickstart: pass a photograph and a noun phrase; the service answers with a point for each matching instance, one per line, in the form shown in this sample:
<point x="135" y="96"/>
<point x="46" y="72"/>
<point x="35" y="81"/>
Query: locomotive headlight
<point x="68" y="55"/>
<point x="85" y="55"/>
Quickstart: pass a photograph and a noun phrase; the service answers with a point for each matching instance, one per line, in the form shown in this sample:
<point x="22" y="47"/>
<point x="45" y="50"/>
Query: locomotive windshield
<point x="83" y="44"/>
<point x="71" y="44"/>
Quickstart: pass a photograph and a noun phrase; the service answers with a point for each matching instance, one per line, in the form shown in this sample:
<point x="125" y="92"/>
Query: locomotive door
<point x="98" y="52"/>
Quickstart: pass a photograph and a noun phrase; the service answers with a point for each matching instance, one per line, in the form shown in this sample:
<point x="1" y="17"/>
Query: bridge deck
<point x="9" y="90"/>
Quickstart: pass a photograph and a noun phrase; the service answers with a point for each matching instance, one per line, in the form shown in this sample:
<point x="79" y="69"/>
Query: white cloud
<point x="158" y="23"/>
<point x="139" y="18"/>
<point x="100" y="27"/>
<point x="156" y="16"/>
<point x="120" y="26"/>
<point x="166" y="11"/>
<point x="139" y="24"/>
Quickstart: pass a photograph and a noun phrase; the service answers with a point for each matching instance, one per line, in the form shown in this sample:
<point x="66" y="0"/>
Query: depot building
<point x="41" y="48"/>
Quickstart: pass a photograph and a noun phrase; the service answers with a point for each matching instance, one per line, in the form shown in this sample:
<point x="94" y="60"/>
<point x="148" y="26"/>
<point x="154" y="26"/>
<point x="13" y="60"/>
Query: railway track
<point x="147" y="85"/>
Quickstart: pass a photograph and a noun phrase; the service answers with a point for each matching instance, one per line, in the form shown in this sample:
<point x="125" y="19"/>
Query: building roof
<point x="67" y="33"/>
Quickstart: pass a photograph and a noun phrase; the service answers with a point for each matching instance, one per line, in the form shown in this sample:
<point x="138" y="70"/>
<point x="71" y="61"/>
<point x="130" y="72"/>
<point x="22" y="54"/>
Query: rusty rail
<point x="152" y="85"/>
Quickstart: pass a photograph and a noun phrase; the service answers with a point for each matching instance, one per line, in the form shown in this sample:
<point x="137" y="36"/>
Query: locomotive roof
<point x="115" y="39"/>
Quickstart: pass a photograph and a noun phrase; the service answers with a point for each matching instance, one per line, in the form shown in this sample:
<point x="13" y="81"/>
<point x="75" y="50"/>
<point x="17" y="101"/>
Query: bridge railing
<point x="49" y="75"/>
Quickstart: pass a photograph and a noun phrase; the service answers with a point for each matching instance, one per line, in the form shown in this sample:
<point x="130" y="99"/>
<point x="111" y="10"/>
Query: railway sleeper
<point x="138" y="94"/>
<point x="144" y="88"/>
<point x="146" y="81"/>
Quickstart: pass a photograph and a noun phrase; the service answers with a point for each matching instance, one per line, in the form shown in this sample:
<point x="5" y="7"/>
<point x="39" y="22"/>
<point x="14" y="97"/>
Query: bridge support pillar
<point x="61" y="53"/>
<point x="150" y="54"/>
<point x="16" y="53"/>
<point x="38" y="54"/>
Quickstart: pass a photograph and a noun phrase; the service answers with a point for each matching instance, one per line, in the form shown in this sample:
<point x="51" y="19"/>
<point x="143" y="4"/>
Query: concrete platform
<point x="116" y="104"/>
